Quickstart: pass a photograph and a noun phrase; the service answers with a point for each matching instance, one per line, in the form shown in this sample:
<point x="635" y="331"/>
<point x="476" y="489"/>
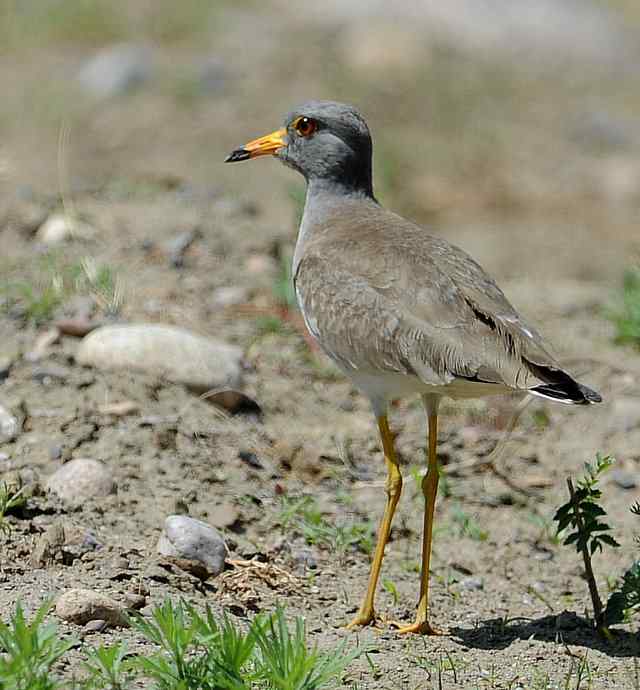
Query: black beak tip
<point x="237" y="155"/>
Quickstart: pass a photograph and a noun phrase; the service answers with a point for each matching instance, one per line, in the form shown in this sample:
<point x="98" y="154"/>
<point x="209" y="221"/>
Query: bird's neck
<point x="323" y="201"/>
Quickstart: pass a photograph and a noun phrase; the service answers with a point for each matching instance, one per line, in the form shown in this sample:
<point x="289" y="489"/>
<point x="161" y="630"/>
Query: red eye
<point x="305" y="126"/>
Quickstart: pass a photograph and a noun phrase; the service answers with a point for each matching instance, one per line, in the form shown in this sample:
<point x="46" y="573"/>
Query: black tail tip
<point x="590" y="395"/>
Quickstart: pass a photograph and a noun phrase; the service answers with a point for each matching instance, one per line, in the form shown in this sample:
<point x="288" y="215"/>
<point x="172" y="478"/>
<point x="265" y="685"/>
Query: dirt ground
<point x="532" y="168"/>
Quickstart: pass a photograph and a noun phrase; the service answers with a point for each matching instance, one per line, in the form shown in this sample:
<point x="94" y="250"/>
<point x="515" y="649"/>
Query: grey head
<point x="328" y="142"/>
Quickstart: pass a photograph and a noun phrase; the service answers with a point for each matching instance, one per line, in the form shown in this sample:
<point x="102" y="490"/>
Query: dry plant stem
<point x="586" y="557"/>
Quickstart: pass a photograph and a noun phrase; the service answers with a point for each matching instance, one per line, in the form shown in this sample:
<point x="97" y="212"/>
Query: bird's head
<point x="323" y="140"/>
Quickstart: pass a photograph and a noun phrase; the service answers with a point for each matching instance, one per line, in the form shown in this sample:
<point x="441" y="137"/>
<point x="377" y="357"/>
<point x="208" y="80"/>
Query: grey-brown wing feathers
<point x="420" y="306"/>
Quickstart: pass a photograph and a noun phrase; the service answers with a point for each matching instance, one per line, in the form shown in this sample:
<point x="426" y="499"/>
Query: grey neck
<point x="321" y="199"/>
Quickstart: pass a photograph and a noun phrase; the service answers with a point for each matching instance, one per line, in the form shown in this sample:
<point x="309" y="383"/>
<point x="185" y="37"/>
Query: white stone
<point x="60" y="227"/>
<point x="188" y="539"/>
<point x="9" y="426"/>
<point x="165" y="351"/>
<point x="81" y="479"/>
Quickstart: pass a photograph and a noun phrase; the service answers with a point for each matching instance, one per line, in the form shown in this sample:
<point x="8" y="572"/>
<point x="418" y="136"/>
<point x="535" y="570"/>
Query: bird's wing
<point x="415" y="305"/>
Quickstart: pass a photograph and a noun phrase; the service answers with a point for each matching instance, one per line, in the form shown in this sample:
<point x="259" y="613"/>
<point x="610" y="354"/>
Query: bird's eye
<point x="305" y="126"/>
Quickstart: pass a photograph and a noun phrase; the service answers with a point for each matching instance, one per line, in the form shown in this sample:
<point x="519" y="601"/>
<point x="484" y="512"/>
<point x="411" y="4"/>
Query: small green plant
<point x="29" y="650"/>
<point x="624" y="601"/>
<point x="390" y="587"/>
<point x="286" y="663"/>
<point x="11" y="497"/>
<point x="304" y="516"/>
<point x="108" y="668"/>
<point x="626" y="317"/>
<point x="583" y="514"/>
<point x="57" y="281"/>
<point x="467" y="525"/>
<point x="194" y="651"/>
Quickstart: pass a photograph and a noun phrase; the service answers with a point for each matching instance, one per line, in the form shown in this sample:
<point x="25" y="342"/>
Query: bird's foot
<point x="363" y="618"/>
<point x="418" y="628"/>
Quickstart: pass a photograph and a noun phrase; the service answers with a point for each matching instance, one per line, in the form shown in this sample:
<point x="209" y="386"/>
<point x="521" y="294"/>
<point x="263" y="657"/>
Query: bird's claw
<point x="418" y="628"/>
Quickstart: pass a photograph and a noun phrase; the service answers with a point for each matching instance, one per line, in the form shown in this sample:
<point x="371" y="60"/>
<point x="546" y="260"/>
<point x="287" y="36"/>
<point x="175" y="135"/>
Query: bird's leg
<point x="366" y="613"/>
<point x="429" y="490"/>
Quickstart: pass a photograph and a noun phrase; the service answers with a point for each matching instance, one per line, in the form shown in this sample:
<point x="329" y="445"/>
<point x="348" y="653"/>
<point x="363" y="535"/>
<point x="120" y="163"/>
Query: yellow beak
<point x="269" y="144"/>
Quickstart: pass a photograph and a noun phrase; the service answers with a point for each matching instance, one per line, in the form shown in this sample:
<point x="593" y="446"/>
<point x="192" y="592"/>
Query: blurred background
<point x="480" y="109"/>
<point x="510" y="127"/>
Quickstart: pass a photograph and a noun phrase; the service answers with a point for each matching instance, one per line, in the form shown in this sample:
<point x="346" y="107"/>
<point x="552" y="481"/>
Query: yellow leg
<point x="366" y="614"/>
<point x="429" y="490"/>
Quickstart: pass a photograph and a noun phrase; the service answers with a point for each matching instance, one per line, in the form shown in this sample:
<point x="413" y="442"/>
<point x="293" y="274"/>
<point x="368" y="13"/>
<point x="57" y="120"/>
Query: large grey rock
<point x="116" y="70"/>
<point x="166" y="351"/>
<point x="80" y="606"/>
<point x="193" y="545"/>
<point x="9" y="426"/>
<point x="81" y="479"/>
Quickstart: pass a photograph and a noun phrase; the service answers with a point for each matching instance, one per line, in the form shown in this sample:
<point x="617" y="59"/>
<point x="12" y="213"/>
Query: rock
<point x="76" y="327"/>
<point x="177" y="247"/>
<point x="134" y="600"/>
<point x="235" y="402"/>
<point x="116" y="70"/>
<point x="228" y="296"/>
<point x="96" y="626"/>
<point x="120" y="409"/>
<point x="193" y="545"/>
<point x="472" y="583"/>
<point x="60" y="227"/>
<point x="81" y="479"/>
<point x="173" y="353"/>
<point x="48" y="547"/>
<point x="624" y="480"/>
<point x="9" y="426"/>
<point x="80" y="606"/>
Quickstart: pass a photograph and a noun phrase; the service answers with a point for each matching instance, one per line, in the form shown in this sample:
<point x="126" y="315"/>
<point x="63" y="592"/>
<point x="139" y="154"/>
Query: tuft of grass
<point x="194" y="651"/>
<point x="57" y="281"/>
<point x="304" y="516"/>
<point x="108" y="668"/>
<point x="29" y="651"/>
<point x="287" y="663"/>
<point x="10" y="498"/>
<point x="199" y="653"/>
<point x="467" y="525"/>
<point x="626" y="317"/>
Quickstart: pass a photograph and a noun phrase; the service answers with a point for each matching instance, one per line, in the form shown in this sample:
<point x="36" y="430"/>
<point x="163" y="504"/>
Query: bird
<point x="399" y="310"/>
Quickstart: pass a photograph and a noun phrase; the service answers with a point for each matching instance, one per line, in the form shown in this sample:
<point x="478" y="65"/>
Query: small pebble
<point x="624" y="480"/>
<point x="96" y="626"/>
<point x="9" y="426"/>
<point x="471" y="583"/>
